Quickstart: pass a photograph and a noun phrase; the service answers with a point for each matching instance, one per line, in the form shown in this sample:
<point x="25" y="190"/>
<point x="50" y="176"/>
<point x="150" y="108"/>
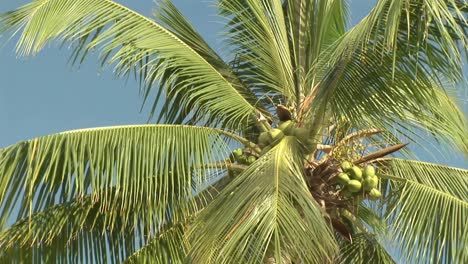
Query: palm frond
<point x="297" y="20"/>
<point x="189" y="85"/>
<point x="257" y="33"/>
<point x="169" y="247"/>
<point x="429" y="217"/>
<point x="450" y="180"/>
<point x="395" y="66"/>
<point x="312" y="27"/>
<point x="163" y="163"/>
<point x="91" y="231"/>
<point x="81" y="231"/>
<point x="432" y="32"/>
<point x="371" y="219"/>
<point x="174" y="21"/>
<point x="369" y="94"/>
<point x="363" y="249"/>
<point x="267" y="207"/>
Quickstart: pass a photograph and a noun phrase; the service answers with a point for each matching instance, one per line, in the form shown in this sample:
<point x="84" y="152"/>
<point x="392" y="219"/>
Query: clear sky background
<point x="43" y="94"/>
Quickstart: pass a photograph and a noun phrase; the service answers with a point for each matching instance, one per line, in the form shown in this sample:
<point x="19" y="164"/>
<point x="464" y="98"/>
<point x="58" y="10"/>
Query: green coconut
<point x="275" y="134"/>
<point x="355" y="172"/>
<point x="264" y="139"/>
<point x="287" y="127"/>
<point x="346" y="165"/>
<point x="370" y="182"/>
<point x="343" y="178"/>
<point x="301" y="133"/>
<point x="354" y="186"/>
<point x="251" y="160"/>
<point x="237" y="153"/>
<point x="243" y="159"/>
<point x="369" y="171"/>
<point x="375" y="194"/>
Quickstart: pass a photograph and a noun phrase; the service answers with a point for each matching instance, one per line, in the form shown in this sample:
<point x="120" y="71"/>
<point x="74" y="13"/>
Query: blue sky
<point x="43" y="94"/>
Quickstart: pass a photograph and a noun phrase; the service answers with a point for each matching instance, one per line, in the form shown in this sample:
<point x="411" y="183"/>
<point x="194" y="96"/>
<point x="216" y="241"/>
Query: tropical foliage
<point x="282" y="152"/>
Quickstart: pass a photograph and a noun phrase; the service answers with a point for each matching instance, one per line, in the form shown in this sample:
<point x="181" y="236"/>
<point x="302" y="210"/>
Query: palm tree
<point x="290" y="150"/>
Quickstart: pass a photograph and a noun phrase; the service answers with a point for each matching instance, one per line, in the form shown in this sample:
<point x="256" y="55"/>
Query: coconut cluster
<point x="355" y="180"/>
<point x="242" y="157"/>
<point x="268" y="139"/>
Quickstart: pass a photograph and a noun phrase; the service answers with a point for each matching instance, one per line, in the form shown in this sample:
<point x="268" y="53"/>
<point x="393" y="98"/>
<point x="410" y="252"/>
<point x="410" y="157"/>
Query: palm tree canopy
<point x="316" y="108"/>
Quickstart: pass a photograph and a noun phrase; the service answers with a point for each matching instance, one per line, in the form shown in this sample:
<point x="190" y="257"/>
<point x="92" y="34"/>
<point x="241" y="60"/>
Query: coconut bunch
<point x="354" y="181"/>
<point x="243" y="156"/>
<point x="339" y="166"/>
<point x="335" y="174"/>
<point x="268" y="139"/>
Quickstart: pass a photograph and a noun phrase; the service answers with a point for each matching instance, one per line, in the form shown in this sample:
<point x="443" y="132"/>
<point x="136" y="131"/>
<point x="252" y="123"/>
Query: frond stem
<point x="220" y="165"/>
<point x="242" y="140"/>
<point x="391" y="177"/>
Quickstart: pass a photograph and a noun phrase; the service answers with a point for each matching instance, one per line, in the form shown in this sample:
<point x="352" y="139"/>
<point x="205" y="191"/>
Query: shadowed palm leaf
<point x="364" y="249"/>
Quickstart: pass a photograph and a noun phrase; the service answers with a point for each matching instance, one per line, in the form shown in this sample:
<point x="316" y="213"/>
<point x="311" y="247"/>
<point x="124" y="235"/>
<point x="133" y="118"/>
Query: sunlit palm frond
<point x="257" y="34"/>
<point x="431" y="31"/>
<point x="369" y="94"/>
<point x="267" y="207"/>
<point x="178" y="24"/>
<point x="187" y="83"/>
<point x="429" y="217"/>
<point x="372" y="220"/>
<point x="451" y="180"/>
<point x="174" y="193"/>
<point x="331" y="21"/>
<point x="161" y="164"/>
<point x="396" y="62"/>
<point x="81" y="231"/>
<point x="364" y="249"/>
<point x="169" y="247"/>
<point x="444" y="121"/>
<point x="91" y="231"/>
<point x="312" y="27"/>
<point x="174" y="21"/>
<point x="430" y="225"/>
